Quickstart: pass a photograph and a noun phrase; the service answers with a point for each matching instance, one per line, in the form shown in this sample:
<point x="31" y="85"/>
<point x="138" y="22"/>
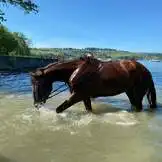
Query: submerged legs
<point x="136" y="96"/>
<point x="87" y="104"/>
<point x="73" y="100"/>
<point x="66" y="104"/>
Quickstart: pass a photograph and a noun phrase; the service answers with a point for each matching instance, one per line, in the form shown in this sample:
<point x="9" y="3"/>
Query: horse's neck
<point x="61" y="75"/>
<point x="62" y="71"/>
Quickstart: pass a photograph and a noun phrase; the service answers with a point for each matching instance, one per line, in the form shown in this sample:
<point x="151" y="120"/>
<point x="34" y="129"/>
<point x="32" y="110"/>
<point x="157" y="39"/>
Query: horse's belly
<point x="103" y="87"/>
<point x="108" y="91"/>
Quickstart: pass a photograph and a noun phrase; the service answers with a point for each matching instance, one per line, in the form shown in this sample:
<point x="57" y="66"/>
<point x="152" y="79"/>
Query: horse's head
<point x="41" y="86"/>
<point x="43" y="78"/>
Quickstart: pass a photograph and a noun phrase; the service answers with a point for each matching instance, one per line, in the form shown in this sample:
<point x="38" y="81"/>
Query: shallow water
<point x="111" y="133"/>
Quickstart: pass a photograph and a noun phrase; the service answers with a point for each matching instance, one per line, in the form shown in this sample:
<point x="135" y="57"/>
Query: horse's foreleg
<point x="87" y="104"/>
<point x="70" y="88"/>
<point x="66" y="104"/>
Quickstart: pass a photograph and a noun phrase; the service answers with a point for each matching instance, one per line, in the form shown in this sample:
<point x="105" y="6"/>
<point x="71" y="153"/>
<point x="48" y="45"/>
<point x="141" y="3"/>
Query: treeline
<point x="70" y="53"/>
<point x="13" y="43"/>
<point x="103" y="53"/>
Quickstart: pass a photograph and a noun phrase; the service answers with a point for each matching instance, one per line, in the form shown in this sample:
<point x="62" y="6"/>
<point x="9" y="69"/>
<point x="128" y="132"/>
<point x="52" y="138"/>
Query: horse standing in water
<point x="90" y="78"/>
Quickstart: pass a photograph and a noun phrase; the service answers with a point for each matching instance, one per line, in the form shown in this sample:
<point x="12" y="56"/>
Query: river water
<point x="110" y="134"/>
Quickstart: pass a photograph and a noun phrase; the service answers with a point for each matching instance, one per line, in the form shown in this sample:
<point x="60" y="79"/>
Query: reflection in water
<point x="110" y="133"/>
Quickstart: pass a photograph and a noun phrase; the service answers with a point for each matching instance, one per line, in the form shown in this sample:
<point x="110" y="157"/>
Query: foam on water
<point x="10" y="96"/>
<point x="123" y="118"/>
<point x="72" y="121"/>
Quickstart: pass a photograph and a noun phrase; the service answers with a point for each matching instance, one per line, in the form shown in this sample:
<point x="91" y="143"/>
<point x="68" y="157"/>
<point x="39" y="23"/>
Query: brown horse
<point x="91" y="78"/>
<point x="43" y="78"/>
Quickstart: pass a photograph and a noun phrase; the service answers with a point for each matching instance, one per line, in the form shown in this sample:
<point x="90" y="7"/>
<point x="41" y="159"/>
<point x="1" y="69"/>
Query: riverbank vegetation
<point x="13" y="43"/>
<point x="102" y="53"/>
<point x="17" y="44"/>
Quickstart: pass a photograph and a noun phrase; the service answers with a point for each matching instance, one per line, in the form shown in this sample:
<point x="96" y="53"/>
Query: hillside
<point x="103" y="53"/>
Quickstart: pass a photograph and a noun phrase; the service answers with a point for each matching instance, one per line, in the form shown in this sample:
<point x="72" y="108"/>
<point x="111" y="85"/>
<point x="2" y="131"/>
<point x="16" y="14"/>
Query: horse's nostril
<point x="36" y="106"/>
<point x="42" y="103"/>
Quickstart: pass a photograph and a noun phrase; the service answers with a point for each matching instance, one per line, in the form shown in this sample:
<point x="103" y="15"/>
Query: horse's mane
<point x="57" y="65"/>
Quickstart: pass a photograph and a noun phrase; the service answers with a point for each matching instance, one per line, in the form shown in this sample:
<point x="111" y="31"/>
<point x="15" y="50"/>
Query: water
<point x="111" y="134"/>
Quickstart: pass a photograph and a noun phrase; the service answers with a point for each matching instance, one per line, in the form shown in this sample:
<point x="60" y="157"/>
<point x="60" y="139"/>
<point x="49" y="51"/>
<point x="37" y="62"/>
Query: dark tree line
<point x="13" y="43"/>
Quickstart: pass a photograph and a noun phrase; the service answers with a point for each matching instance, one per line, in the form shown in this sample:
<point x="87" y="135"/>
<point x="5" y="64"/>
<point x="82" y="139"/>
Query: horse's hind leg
<point x="149" y="99"/>
<point x="87" y="104"/>
<point x="151" y="96"/>
<point x="132" y="99"/>
<point x="66" y="104"/>
<point x="135" y="96"/>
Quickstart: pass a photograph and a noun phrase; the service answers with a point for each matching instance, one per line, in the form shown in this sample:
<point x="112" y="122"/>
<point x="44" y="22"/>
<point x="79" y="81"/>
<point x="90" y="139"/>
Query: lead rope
<point x="56" y="90"/>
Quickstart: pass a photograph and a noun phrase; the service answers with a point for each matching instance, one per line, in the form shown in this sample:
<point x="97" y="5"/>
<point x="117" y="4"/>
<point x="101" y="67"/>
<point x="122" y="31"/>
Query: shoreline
<point x="17" y="64"/>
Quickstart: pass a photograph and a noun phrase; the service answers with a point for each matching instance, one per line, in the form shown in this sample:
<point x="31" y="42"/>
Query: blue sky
<point x="134" y="25"/>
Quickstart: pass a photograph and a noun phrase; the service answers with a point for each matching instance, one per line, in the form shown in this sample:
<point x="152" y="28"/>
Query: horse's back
<point x="115" y="69"/>
<point x="123" y="67"/>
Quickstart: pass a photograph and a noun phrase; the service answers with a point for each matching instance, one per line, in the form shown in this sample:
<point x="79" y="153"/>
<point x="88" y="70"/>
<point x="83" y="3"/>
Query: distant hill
<point x="103" y="53"/>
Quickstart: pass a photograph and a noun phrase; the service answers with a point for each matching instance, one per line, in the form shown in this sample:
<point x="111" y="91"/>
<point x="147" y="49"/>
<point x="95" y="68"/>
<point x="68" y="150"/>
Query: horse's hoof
<point x="153" y="106"/>
<point x="59" y="110"/>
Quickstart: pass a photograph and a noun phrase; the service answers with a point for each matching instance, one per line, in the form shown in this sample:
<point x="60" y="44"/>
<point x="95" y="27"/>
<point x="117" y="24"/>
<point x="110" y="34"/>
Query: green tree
<point x="23" y="44"/>
<point x="7" y="41"/>
<point x="27" y="5"/>
<point x="13" y="43"/>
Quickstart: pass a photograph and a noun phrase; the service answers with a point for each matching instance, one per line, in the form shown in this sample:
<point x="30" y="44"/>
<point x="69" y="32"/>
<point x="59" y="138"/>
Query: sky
<point x="133" y="25"/>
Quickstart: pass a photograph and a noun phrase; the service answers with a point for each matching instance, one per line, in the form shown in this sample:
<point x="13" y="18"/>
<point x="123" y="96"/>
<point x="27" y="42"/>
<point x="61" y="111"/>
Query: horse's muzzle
<point x="38" y="105"/>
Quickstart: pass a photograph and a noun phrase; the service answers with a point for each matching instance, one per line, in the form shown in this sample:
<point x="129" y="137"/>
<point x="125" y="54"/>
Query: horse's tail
<point x="151" y="95"/>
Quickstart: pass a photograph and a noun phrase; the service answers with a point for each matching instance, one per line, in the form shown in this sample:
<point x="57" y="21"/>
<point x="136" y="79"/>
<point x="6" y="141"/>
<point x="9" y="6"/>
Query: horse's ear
<point x="37" y="73"/>
<point x="32" y="73"/>
<point x="81" y="58"/>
